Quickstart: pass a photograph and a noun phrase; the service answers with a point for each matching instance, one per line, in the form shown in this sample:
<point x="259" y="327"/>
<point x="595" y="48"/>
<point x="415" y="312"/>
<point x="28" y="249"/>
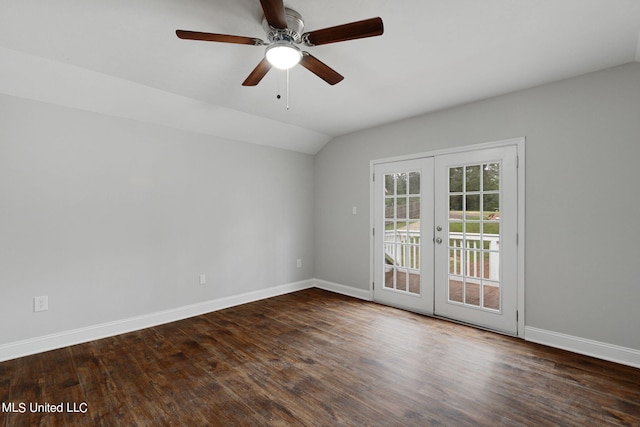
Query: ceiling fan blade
<point x="320" y="69"/>
<point x="355" y="30"/>
<point x="258" y="73"/>
<point x="274" y="13"/>
<point x="212" y="37"/>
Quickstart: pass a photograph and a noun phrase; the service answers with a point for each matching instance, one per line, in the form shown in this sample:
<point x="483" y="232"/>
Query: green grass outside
<point x="456" y="227"/>
<point x="400" y="225"/>
<point x="473" y="227"/>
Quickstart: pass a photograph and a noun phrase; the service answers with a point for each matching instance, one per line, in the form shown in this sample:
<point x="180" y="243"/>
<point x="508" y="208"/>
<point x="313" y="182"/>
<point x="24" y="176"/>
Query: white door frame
<point x="520" y="147"/>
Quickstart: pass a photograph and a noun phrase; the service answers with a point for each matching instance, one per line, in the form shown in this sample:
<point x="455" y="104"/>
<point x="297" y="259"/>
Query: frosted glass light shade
<point x="283" y="55"/>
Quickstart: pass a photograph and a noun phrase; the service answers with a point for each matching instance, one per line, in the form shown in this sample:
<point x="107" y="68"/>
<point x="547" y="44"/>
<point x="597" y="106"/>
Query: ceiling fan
<point x="284" y="28"/>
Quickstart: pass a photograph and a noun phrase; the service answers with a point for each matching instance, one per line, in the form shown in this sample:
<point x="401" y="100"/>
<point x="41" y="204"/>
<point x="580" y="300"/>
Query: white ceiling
<point x="121" y="57"/>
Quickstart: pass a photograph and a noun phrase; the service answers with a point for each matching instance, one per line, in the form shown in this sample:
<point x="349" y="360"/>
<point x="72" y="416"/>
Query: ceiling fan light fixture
<point x="284" y="28"/>
<point x="283" y="55"/>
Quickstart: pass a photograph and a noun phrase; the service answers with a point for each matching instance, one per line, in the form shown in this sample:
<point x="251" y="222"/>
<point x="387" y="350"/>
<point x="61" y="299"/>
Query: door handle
<point x="438" y="240"/>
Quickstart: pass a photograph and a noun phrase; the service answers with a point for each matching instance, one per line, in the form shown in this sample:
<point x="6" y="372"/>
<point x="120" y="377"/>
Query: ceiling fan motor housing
<point x="293" y="32"/>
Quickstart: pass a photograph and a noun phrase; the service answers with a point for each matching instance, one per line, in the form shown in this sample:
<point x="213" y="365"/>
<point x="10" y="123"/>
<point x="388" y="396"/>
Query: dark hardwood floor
<point x="319" y="359"/>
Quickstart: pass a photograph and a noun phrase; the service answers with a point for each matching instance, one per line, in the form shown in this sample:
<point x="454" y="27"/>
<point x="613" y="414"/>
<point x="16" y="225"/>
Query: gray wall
<point x="582" y="198"/>
<point x="114" y="218"/>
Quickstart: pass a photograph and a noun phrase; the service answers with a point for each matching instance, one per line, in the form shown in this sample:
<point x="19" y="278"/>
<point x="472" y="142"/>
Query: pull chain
<point x="287" y="89"/>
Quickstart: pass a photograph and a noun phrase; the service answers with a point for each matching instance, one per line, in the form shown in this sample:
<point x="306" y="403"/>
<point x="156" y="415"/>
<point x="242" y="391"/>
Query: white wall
<point x="114" y="218"/>
<point x="582" y="197"/>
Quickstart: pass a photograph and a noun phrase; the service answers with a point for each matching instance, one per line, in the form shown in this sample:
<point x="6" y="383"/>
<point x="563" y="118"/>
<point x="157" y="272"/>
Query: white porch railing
<point x="404" y="251"/>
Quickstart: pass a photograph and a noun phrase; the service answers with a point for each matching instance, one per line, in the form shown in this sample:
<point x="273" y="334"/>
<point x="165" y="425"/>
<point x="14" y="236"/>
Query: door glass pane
<point x="390" y="238"/>
<point x="491" y="230"/>
<point x="474" y="236"/>
<point x="472" y="180"/>
<point x="414" y="283"/>
<point x="401" y="184"/>
<point x="398" y="252"/>
<point x="455" y="257"/>
<point x="491" y="207"/>
<point x="389" y="231"/>
<point x="402" y="208"/>
<point x="474" y="259"/>
<point x="472" y="293"/>
<point x="414" y="254"/>
<point x="491" y="295"/>
<point x="455" y="180"/>
<point x="389" y="207"/>
<point x="388" y="276"/>
<point x="414" y="183"/>
<point x="491" y="177"/>
<point x="472" y="207"/>
<point x="401" y="281"/>
<point x="492" y="260"/>
<point x="389" y="185"/>
<point x="414" y="208"/>
<point x="455" y="207"/>
<point x="456" y="287"/>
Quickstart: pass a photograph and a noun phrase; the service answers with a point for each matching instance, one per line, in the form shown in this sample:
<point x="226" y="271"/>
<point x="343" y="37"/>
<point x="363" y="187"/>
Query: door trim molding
<point x="519" y="143"/>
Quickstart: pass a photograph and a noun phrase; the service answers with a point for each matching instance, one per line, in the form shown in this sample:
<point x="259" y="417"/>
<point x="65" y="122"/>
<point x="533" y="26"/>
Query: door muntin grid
<point x="474" y="196"/>
<point x="402" y="215"/>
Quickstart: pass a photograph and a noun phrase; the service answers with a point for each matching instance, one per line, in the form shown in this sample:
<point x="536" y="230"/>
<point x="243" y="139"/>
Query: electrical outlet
<point x="203" y="279"/>
<point x="41" y="303"/>
<point x="299" y="263"/>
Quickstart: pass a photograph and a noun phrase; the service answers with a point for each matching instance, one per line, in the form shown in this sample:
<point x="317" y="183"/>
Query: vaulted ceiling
<point x="122" y="57"/>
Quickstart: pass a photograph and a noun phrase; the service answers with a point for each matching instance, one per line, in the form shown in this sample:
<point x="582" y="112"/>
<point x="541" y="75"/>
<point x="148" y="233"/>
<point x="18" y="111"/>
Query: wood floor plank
<point x="313" y="358"/>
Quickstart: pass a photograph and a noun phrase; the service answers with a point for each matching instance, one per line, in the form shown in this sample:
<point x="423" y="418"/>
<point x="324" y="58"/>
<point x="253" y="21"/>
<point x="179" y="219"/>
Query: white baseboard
<point x="41" y="344"/>
<point x="342" y="289"/>
<point x="600" y="350"/>
<point x="613" y="353"/>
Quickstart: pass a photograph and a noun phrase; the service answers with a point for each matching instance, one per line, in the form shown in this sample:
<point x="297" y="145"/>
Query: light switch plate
<point x="41" y="303"/>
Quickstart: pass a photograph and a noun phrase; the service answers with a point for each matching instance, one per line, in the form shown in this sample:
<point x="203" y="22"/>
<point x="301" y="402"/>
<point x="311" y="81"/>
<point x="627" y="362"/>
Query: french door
<point x="476" y="237"/>
<point x="404" y="221"/>
<point x="446" y="236"/>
